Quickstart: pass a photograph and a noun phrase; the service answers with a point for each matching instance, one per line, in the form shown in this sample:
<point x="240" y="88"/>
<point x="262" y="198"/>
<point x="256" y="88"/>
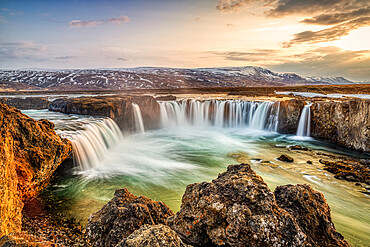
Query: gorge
<point x="156" y="147"/>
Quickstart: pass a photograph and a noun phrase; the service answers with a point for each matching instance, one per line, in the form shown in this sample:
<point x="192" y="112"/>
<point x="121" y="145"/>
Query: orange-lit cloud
<point x="92" y="23"/>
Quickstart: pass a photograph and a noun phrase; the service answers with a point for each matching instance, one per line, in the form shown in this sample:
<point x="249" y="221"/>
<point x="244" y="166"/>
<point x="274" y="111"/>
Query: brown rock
<point x="285" y="158"/>
<point x="27" y="103"/>
<point x="124" y="214"/>
<point x="289" y="114"/>
<point x="30" y="151"/>
<point x="166" y="97"/>
<point x="297" y="147"/>
<point x="311" y="212"/>
<point x="236" y="209"/>
<point x="346" y="123"/>
<point x="119" y="108"/>
<point x="154" y="236"/>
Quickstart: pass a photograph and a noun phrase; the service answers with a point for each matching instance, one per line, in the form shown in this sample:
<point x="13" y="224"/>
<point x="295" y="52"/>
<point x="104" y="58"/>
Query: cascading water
<point x="139" y="123"/>
<point x="305" y="121"/>
<point x="220" y="113"/>
<point x="91" y="145"/>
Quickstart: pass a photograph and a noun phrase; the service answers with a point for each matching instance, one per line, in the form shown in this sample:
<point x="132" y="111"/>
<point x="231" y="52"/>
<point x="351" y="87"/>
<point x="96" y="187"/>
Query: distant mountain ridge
<point x="155" y="77"/>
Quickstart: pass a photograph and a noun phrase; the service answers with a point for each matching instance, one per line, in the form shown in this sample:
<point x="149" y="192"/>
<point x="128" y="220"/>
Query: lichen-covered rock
<point x="124" y="214"/>
<point x="346" y="123"/>
<point x="30" y="151"/>
<point x="311" y="212"/>
<point x="153" y="236"/>
<point x="289" y="114"/>
<point x="119" y="108"/>
<point x="236" y="209"/>
<point x="285" y="158"/>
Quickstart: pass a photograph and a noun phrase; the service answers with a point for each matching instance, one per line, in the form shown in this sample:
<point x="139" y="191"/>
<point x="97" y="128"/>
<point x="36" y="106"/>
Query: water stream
<point x="197" y="141"/>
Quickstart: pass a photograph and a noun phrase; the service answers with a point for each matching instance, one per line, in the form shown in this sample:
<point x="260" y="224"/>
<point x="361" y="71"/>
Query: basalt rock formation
<point x="124" y="214"/>
<point x="236" y="209"/>
<point x="30" y="151"/>
<point x="27" y="103"/>
<point x="346" y="123"/>
<point x="311" y="212"/>
<point x="153" y="235"/>
<point x="119" y="108"/>
<point x="289" y="114"/>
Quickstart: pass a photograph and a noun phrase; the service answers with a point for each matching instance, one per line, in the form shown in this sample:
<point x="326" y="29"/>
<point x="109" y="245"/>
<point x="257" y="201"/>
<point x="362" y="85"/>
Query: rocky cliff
<point x="27" y="103"/>
<point x="236" y="209"/>
<point x="346" y="123"/>
<point x="289" y="114"/>
<point x="119" y="108"/>
<point x="30" y="151"/>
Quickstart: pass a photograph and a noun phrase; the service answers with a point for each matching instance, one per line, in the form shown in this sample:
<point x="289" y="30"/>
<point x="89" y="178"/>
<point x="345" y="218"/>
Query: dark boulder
<point x="297" y="147"/>
<point x="285" y="158"/>
<point x="124" y="214"/>
<point x="236" y="209"/>
<point x="311" y="212"/>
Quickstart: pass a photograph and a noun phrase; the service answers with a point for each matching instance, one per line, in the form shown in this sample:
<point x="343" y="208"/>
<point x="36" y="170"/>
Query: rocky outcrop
<point x="27" y="103"/>
<point x="311" y="212"/>
<point x="236" y="209"/>
<point x="350" y="170"/>
<point x="119" y="108"/>
<point x="153" y="235"/>
<point x="285" y="158"/>
<point x="124" y="214"/>
<point x="30" y="151"/>
<point x="346" y="123"/>
<point x="289" y="114"/>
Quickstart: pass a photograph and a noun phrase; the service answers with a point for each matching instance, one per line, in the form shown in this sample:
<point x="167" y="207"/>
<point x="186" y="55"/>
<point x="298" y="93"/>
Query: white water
<point x="139" y="123"/>
<point x="226" y="113"/>
<point x="304" y="125"/>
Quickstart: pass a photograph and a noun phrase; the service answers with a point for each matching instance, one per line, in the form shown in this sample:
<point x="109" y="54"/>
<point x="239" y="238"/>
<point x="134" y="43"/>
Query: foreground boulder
<point x="154" y="236"/>
<point x="311" y="212"/>
<point x="30" y="151"/>
<point x="119" y="108"/>
<point x="236" y="209"/>
<point x="124" y="214"/>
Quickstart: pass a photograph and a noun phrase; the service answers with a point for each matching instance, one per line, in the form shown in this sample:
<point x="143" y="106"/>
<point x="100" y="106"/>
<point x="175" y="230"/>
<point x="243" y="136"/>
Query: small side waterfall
<point x="91" y="145"/>
<point x="304" y="125"/>
<point x="220" y="113"/>
<point x="139" y="123"/>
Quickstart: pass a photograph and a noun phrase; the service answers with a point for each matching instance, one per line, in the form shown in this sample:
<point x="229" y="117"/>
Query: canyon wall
<point x="119" y="108"/>
<point x="27" y="103"/>
<point x="30" y="151"/>
<point x="346" y="123"/>
<point x="289" y="113"/>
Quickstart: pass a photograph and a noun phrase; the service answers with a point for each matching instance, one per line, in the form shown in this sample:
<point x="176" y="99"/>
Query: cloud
<point x="21" y="50"/>
<point x="121" y="59"/>
<point x="250" y="56"/>
<point x="65" y="57"/>
<point x="92" y="23"/>
<point x="335" y="18"/>
<point x="11" y="11"/>
<point x="329" y="61"/>
<point x="328" y="34"/>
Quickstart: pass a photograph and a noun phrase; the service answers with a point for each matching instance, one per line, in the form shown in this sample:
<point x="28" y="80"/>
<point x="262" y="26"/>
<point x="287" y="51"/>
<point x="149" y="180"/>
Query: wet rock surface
<point x="27" y="103"/>
<point x="285" y="158"/>
<point x="30" y="151"/>
<point x="297" y="147"/>
<point x="289" y="114"/>
<point x="119" y="108"/>
<point x="311" y="212"/>
<point x="153" y="235"/>
<point x="124" y="214"/>
<point x="346" y="123"/>
<point x="236" y="209"/>
<point x="350" y="170"/>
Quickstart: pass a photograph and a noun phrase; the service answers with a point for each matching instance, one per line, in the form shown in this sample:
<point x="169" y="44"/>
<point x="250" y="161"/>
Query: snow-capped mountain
<point x="152" y="77"/>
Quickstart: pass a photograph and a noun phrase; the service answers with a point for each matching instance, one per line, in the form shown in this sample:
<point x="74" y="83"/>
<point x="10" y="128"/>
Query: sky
<point x="308" y="37"/>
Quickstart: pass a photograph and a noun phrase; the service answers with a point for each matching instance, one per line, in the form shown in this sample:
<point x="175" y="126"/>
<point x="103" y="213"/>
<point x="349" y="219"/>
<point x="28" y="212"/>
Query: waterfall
<point x="139" y="123"/>
<point x="304" y="124"/>
<point x="220" y="113"/>
<point x="91" y="145"/>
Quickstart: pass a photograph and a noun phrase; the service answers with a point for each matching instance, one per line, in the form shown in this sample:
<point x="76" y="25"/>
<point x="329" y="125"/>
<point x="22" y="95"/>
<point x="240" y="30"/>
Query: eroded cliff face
<point x="30" y="151"/>
<point x="289" y="114"/>
<point x="27" y="103"/>
<point x="346" y="123"/>
<point x="119" y="108"/>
